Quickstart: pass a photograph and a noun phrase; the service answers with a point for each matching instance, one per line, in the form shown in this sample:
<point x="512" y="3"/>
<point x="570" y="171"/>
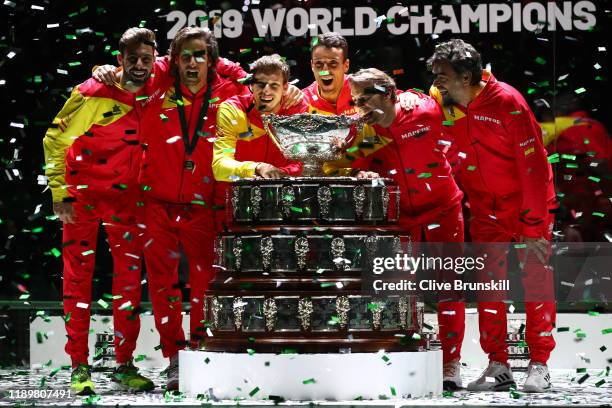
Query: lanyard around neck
<point x="190" y="144"/>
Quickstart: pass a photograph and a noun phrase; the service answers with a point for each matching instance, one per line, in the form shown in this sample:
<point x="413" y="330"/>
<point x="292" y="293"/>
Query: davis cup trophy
<point x="290" y="272"/>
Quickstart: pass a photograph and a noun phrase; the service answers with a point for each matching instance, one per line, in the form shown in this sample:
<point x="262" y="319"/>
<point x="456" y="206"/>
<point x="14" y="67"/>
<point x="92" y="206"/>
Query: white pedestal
<point x="301" y="377"/>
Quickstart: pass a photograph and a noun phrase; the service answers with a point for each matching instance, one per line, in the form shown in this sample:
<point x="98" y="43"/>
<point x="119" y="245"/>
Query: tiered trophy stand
<point x="287" y="316"/>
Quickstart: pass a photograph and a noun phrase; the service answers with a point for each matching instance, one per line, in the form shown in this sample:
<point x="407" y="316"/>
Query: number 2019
<point x="228" y="25"/>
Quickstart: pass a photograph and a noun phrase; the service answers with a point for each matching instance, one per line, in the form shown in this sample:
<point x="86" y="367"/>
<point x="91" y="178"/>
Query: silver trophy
<point x="312" y="139"/>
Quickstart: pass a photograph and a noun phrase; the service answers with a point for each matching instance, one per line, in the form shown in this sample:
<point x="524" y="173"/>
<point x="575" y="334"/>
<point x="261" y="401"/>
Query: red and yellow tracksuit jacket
<point x="93" y="144"/>
<point x="242" y="142"/>
<point x="317" y="104"/>
<point x="163" y="174"/>
<point x="577" y="134"/>
<point x="411" y="152"/>
<point x="501" y="161"/>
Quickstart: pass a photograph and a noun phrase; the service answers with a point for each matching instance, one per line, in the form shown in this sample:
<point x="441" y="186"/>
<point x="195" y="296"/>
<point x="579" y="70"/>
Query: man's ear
<point x="467" y="78"/>
<point x="120" y="60"/>
<point x="285" y="87"/>
<point x="345" y="65"/>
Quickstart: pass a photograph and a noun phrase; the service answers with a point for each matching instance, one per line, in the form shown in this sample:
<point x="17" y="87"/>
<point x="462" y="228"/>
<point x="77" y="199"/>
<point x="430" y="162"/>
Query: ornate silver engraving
<point x="376" y="309"/>
<point x="397" y="245"/>
<point x="267" y="247"/>
<point x="219" y="251"/>
<point x="237" y="251"/>
<point x="337" y="252"/>
<point x="270" y="310"/>
<point x="342" y="308"/>
<point x="385" y="200"/>
<point x="238" y="307"/>
<point x="402" y="307"/>
<point x="371" y="248"/>
<point x="359" y="199"/>
<point x="288" y="197"/>
<point x="397" y="203"/>
<point x="305" y="310"/>
<point x="235" y="193"/>
<point x="324" y="197"/>
<point x="301" y="250"/>
<point x="256" y="201"/>
<point x="420" y="310"/>
<point x="215" y="307"/>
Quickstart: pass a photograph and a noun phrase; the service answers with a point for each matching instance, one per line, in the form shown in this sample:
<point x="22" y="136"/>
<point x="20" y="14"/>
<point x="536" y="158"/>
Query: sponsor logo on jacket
<point x="487" y="119"/>
<point x="416" y="133"/>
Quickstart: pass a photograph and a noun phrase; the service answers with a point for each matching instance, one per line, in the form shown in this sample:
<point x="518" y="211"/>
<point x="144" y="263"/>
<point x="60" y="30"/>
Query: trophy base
<point x="300" y="377"/>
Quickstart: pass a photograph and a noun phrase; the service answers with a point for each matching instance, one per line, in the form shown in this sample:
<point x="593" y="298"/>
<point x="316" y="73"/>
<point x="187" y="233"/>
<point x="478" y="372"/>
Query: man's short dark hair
<point x="133" y="37"/>
<point x="462" y="57"/>
<point x="269" y="64"/>
<point x="331" y="40"/>
<point x="188" y="33"/>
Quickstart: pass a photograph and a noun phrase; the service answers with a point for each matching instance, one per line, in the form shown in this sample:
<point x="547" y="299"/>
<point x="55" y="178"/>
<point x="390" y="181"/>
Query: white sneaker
<point x="451" y="376"/>
<point x="496" y="377"/>
<point x="538" y="378"/>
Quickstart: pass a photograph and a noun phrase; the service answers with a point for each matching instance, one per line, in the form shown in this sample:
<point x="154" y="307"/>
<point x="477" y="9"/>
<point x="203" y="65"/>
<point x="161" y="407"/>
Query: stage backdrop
<point x="47" y="47"/>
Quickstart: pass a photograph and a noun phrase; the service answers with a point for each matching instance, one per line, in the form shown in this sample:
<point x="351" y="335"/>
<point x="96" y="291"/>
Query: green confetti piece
<point x="25" y="296"/>
<point x="207" y="360"/>
<point x="352" y="149"/>
<point x="571" y="165"/>
<point x="471" y="168"/>
<point x="393" y="392"/>
<point x="580" y="90"/>
<point x="54" y="371"/>
<point x="74" y="64"/>
<point x="586" y="141"/>
<point x="140" y="357"/>
<point x="568" y="157"/>
<point x="514" y="394"/>
<point x="250" y="352"/>
<point x="142" y="97"/>
<point x="146" y="188"/>
<point x="540" y="61"/>
<point x="448" y="122"/>
<point x="385" y="358"/>
<point x="254" y="391"/>
<point x="593" y="313"/>
<point x="315" y="41"/>
<point x="88" y="252"/>
<point x="553" y="158"/>
<point x="520" y="246"/>
<point x="562" y="329"/>
<point x="424" y="175"/>
<point x="599" y="214"/>
<point x="515" y="113"/>
<point x="531" y="91"/>
<point x="103" y="303"/>
<point x="71" y="37"/>
<point x="603" y="348"/>
<point x="592" y="178"/>
<point x="245" y="51"/>
<point x="309" y="381"/>
<point x="606" y="331"/>
<point x="327" y="284"/>
<point x="297" y="209"/>
<point x="323" y="73"/>
<point x="67" y="317"/>
<point x="258" y="39"/>
<point x="373" y="306"/>
<point x="37" y="230"/>
<point x="213" y="100"/>
<point x="600" y="383"/>
<point x="583" y="378"/>
<point x="447" y="394"/>
<point x="581" y="370"/>
<point x="198" y="202"/>
<point x="114" y="53"/>
<point x="39" y="337"/>
<point x="229" y="150"/>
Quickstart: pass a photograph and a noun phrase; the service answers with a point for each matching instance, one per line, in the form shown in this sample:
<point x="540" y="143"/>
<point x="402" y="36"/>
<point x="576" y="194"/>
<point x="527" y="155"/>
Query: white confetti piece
<point x="493" y="311"/>
<point x="173" y="139"/>
<point x="125" y="305"/>
<point x="82" y="305"/>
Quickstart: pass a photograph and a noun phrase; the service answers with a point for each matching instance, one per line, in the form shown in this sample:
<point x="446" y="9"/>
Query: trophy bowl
<point x="312" y="139"/>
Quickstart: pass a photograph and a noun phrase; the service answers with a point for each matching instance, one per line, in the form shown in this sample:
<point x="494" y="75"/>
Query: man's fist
<point x="105" y="74"/>
<point x="269" y="171"/>
<point x="65" y="212"/>
<point x="367" y="175"/>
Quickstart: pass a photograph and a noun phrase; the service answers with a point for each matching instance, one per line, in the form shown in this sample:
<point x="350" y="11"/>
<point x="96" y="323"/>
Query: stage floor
<point x="567" y="391"/>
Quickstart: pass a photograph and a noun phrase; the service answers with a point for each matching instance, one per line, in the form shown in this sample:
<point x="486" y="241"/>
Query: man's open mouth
<point x="327" y="81"/>
<point x="192" y="74"/>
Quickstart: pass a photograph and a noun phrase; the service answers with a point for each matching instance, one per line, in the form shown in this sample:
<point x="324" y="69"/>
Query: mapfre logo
<point x="415" y="133"/>
<point x="483" y="118"/>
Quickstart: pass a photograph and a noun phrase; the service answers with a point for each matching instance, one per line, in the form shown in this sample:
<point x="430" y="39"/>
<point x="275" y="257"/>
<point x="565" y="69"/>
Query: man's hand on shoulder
<point x="293" y="96"/>
<point x="107" y="74"/>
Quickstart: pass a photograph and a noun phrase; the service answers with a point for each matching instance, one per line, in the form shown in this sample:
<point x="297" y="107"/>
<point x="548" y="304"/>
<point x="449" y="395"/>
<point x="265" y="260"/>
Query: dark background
<point x="34" y="92"/>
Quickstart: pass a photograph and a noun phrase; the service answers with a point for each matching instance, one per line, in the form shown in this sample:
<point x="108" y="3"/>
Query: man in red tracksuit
<point x="92" y="156"/>
<point x="243" y="149"/>
<point x="409" y="148"/>
<point x="504" y="171"/>
<point x="179" y="186"/>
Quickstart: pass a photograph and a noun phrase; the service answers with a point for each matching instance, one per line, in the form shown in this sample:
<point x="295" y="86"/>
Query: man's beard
<point x="448" y="100"/>
<point x="130" y="79"/>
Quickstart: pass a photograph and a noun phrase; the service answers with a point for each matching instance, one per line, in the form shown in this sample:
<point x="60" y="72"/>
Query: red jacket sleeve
<point x="533" y="171"/>
<point x="229" y="69"/>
